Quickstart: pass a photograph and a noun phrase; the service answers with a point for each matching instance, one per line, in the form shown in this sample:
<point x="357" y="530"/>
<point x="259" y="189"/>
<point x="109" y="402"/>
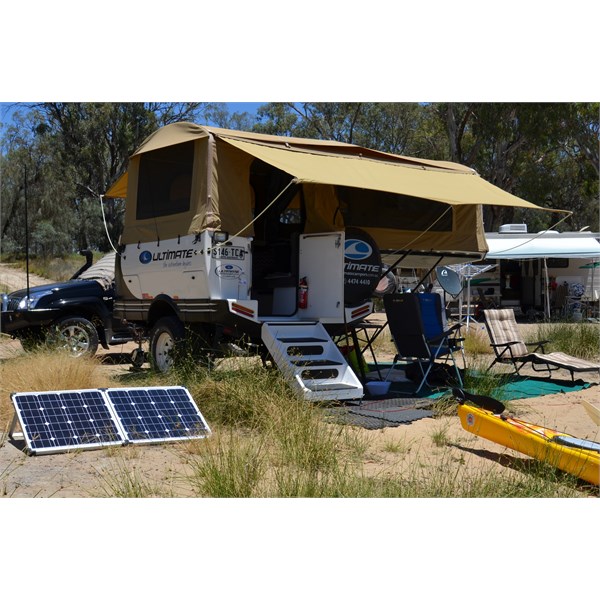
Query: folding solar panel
<point x="60" y="421"/>
<point x="65" y="420"/>
<point x="157" y="414"/>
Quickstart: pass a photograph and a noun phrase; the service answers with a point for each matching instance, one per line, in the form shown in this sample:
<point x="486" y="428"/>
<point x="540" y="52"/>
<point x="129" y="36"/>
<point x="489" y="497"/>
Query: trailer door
<point x="321" y="262"/>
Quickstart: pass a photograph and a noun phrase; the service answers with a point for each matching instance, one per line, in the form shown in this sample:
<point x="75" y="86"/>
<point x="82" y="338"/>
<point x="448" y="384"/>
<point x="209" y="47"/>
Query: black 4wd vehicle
<point x="75" y="314"/>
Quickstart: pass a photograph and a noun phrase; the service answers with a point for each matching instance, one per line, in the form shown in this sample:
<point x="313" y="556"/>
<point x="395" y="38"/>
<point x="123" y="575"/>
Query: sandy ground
<point x="163" y="468"/>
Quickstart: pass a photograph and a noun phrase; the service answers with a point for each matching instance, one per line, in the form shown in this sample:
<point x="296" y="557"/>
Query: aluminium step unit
<point x="310" y="361"/>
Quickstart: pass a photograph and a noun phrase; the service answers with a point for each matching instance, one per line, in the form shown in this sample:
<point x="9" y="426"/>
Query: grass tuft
<point x="577" y="339"/>
<point x="46" y="370"/>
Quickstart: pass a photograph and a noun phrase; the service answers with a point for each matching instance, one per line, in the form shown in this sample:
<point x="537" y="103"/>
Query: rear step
<point x="310" y="361"/>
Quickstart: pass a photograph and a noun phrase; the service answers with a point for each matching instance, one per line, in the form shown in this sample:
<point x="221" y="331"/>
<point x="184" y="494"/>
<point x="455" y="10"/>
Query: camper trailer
<point x="275" y="243"/>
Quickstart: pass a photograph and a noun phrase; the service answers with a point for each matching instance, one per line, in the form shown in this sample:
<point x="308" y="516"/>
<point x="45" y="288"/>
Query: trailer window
<point x="369" y="208"/>
<point x="165" y="181"/>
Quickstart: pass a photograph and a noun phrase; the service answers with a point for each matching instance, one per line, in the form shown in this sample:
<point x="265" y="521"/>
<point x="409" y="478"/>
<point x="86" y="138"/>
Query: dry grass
<point x="47" y="370"/>
<point x="477" y="340"/>
<point x="268" y="443"/>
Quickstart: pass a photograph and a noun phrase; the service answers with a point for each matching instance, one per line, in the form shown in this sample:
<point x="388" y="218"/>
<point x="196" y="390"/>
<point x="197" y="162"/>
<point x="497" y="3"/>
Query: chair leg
<point x="425" y="374"/>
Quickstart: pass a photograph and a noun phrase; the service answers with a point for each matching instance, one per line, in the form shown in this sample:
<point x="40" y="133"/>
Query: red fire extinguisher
<point x="303" y="293"/>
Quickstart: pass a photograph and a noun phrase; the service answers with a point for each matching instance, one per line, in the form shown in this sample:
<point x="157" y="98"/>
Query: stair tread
<point x="316" y="363"/>
<point x="332" y="386"/>
<point x="301" y="340"/>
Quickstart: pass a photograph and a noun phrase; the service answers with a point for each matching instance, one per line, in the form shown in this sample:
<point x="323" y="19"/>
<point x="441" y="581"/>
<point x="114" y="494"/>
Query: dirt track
<point x="15" y="279"/>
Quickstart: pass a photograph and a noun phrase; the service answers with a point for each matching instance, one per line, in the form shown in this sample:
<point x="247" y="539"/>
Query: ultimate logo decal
<point x="147" y="256"/>
<point x="357" y="250"/>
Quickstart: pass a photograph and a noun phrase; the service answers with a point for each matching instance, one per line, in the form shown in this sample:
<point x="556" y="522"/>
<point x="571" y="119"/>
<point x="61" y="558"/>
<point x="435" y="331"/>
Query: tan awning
<point x="119" y="188"/>
<point x="441" y="185"/>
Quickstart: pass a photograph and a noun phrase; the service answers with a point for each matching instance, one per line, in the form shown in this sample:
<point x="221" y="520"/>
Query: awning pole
<point x="547" y="291"/>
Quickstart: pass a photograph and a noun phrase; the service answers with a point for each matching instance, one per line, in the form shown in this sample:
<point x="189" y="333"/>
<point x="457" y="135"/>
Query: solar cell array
<point x="85" y="419"/>
<point x="157" y="414"/>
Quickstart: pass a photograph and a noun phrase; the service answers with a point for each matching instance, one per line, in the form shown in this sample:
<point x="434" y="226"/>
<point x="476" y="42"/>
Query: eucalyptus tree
<point x="544" y="152"/>
<point x="62" y="156"/>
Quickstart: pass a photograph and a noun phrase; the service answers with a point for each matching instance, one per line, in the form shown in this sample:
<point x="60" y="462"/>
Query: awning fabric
<point x="454" y="187"/>
<point x="331" y="177"/>
<point x="547" y="244"/>
<point x="119" y="188"/>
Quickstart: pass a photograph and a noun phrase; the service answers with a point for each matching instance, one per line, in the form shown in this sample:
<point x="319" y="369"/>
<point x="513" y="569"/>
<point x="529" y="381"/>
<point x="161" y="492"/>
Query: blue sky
<point x="7" y="108"/>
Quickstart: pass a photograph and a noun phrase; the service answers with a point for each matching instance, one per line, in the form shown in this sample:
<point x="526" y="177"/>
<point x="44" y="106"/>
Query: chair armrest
<point x="507" y="344"/>
<point x="453" y="328"/>
<point x="538" y="345"/>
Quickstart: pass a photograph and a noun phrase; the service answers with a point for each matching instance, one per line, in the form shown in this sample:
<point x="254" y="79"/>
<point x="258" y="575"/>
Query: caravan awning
<point x="454" y="187"/>
<point x="547" y="244"/>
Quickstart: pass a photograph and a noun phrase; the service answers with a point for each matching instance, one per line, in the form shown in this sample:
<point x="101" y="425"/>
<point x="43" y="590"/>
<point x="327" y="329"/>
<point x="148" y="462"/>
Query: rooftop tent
<point x="186" y="178"/>
<point x="544" y="244"/>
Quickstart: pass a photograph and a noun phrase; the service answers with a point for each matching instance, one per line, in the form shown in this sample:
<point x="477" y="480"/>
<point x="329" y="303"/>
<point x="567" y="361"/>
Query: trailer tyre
<point x="165" y="337"/>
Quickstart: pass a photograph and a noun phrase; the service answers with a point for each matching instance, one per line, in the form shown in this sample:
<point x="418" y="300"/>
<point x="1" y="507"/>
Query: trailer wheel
<point x="165" y="337"/>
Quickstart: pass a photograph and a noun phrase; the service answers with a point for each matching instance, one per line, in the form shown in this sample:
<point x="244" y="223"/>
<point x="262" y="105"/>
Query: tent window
<point x="370" y="208"/>
<point x="165" y="181"/>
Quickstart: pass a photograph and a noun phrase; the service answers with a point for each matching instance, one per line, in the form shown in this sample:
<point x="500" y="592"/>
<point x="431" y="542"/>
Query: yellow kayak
<point x="571" y="454"/>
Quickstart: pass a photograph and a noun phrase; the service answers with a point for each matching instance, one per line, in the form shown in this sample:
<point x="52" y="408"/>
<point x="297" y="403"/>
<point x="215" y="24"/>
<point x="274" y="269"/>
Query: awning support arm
<point x="397" y="263"/>
<point x="427" y="274"/>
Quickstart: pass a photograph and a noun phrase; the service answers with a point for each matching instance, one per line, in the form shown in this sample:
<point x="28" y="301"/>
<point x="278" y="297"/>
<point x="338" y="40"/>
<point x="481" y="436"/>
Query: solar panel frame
<point x="157" y="414"/>
<point x="66" y="420"/>
<point x="57" y="421"/>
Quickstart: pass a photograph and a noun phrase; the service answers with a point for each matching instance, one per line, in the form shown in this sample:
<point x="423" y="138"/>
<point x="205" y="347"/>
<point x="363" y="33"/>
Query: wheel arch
<point x="162" y="306"/>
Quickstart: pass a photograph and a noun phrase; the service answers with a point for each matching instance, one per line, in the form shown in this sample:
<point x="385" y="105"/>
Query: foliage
<point x="57" y="158"/>
<point x="576" y="339"/>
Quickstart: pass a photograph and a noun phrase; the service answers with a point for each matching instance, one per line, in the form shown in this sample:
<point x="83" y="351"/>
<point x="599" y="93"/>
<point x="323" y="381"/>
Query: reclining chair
<point x="417" y="327"/>
<point x="510" y="348"/>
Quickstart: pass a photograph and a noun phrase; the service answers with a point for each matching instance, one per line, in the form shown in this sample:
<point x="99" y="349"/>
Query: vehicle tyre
<point x="166" y="337"/>
<point x="76" y="335"/>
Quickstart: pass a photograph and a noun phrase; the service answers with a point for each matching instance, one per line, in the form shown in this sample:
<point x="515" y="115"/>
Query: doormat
<point x="377" y="414"/>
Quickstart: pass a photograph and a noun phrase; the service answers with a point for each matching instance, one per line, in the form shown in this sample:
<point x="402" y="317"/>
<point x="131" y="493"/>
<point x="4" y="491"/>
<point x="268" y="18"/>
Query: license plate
<point x="229" y="252"/>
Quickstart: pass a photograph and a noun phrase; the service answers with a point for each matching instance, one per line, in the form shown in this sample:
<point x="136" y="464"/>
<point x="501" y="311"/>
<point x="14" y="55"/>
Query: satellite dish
<point x="449" y="280"/>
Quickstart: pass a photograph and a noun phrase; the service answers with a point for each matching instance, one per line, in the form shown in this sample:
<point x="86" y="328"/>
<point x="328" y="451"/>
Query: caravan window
<point x="369" y="208"/>
<point x="165" y="181"/>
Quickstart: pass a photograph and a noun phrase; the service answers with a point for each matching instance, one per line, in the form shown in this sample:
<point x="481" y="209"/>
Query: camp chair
<point x="510" y="348"/>
<point x="416" y="326"/>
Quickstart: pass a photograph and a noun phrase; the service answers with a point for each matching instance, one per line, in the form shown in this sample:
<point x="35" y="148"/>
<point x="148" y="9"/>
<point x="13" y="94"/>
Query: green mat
<point x="531" y="387"/>
<point x="515" y="387"/>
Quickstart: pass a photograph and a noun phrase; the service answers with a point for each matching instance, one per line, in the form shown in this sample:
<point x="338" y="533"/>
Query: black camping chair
<point x="416" y="341"/>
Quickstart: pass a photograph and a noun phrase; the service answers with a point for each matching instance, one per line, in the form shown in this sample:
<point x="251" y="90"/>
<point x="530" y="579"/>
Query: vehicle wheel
<point x="77" y="335"/>
<point x="165" y="337"/>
